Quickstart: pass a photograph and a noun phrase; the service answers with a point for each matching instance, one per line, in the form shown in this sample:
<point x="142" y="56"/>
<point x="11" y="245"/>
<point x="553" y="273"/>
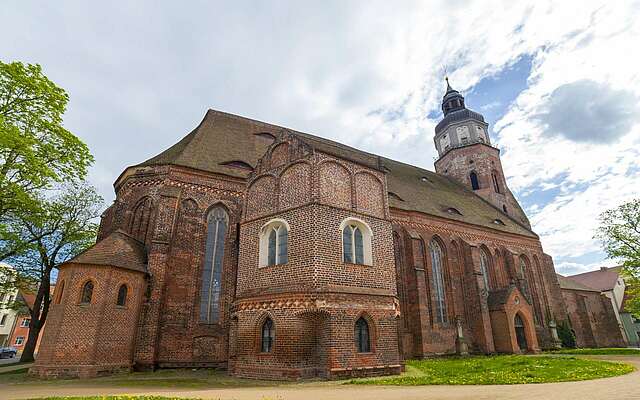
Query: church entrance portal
<point x="520" y="335"/>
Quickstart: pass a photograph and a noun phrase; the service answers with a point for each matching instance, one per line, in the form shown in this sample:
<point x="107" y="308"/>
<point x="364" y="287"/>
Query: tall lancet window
<point x="474" y="181"/>
<point x="484" y="268"/>
<point x="217" y="222"/>
<point x="437" y="267"/>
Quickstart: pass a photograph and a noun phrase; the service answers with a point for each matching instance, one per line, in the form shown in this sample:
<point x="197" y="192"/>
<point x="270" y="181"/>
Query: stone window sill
<point x="272" y="265"/>
<point x="357" y="265"/>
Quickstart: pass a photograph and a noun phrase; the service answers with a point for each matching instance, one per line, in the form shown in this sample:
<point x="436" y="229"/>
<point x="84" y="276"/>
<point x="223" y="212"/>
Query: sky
<point x="558" y="84"/>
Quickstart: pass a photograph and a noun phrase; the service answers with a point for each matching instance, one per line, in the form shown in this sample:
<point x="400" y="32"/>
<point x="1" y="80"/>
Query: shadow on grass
<point x="169" y="378"/>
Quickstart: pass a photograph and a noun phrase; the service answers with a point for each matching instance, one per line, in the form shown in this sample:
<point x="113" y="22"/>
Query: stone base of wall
<point x="361" y="372"/>
<point x="270" y="373"/>
<point x="308" y="373"/>
<point x="76" y="371"/>
<point x="193" y="364"/>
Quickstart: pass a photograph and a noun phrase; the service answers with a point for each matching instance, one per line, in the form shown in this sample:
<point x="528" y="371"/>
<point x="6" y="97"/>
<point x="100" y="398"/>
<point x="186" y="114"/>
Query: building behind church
<point x="278" y="254"/>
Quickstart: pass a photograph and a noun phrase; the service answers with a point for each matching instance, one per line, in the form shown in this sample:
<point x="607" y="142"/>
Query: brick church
<point x="278" y="254"/>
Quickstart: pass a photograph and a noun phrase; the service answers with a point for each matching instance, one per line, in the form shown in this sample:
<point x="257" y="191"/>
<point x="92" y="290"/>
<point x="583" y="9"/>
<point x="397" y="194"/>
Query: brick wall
<point x="592" y="319"/>
<point x="89" y="339"/>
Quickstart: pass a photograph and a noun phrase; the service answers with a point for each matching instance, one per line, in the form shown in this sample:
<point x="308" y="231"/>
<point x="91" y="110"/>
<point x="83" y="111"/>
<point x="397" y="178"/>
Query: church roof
<point x="118" y="250"/>
<point x="222" y="138"/>
<point x="568" y="283"/>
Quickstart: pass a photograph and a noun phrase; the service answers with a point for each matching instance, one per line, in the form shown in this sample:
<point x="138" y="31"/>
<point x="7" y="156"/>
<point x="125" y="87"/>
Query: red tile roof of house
<point x="602" y="279"/>
<point x="568" y="283"/>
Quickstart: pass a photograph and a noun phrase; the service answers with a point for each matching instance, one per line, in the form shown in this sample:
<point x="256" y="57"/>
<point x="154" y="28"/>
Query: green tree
<point x="619" y="232"/>
<point x="63" y="227"/>
<point x="36" y="151"/>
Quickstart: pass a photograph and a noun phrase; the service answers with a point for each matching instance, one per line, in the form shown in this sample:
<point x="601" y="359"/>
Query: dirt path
<point x="619" y="388"/>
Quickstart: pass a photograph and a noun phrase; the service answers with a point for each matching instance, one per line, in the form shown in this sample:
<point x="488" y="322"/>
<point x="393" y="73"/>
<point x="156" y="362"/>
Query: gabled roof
<point x="118" y="250"/>
<point x="602" y="279"/>
<point x="221" y="138"/>
<point x="568" y="283"/>
<point x="498" y="298"/>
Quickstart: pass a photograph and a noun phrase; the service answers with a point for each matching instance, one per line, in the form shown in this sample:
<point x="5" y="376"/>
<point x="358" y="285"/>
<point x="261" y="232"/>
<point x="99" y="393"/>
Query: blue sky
<point x="554" y="81"/>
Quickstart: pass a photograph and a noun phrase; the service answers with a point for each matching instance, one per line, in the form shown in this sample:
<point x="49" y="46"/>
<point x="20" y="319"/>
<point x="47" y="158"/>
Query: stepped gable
<point x="118" y="250"/>
<point x="221" y="138"/>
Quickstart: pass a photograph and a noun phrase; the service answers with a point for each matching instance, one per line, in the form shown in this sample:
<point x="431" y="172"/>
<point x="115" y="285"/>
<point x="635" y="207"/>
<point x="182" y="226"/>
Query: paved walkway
<point x="619" y="388"/>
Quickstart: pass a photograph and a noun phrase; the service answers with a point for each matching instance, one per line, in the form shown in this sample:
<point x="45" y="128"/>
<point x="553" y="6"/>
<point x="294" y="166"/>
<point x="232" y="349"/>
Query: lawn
<point x="603" y="351"/>
<point x="499" y="370"/>
<point x="165" y="378"/>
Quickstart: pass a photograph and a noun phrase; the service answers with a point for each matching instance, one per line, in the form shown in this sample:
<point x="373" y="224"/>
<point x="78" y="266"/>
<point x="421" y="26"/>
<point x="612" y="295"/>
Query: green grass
<point x="164" y="378"/>
<point x="499" y="370"/>
<point x="603" y="351"/>
<point x="15" y="371"/>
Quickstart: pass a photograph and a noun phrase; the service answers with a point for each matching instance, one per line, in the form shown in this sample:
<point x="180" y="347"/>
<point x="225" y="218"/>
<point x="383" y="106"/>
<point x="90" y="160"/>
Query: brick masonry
<point x="315" y="298"/>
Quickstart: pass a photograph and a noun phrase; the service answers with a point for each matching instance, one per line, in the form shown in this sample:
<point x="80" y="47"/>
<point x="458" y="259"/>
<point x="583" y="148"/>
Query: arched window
<point x="217" y="221"/>
<point x="438" y="281"/>
<point x="474" y="181"/>
<point x="361" y="333"/>
<point x="87" y="293"/>
<point x="122" y="295"/>
<point x="274" y="243"/>
<point x="268" y="334"/>
<point x="140" y="220"/>
<point x="504" y="208"/>
<point x="356" y="242"/>
<point x="496" y="185"/>
<point x="484" y="268"/>
<point x="59" y="292"/>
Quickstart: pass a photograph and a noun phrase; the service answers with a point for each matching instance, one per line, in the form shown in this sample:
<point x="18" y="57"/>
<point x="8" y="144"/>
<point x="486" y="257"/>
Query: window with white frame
<point x="3" y="320"/>
<point x="25" y="322"/>
<point x="480" y="133"/>
<point x="356" y="242"/>
<point x="463" y="134"/>
<point x="19" y="340"/>
<point x="445" y="142"/>
<point x="274" y="243"/>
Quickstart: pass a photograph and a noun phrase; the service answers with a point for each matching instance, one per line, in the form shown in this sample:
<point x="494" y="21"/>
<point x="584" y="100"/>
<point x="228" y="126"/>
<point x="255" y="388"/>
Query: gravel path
<point x="619" y="388"/>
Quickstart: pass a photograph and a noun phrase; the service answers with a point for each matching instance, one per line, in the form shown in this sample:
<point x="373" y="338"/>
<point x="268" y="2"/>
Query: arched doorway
<point x="520" y="333"/>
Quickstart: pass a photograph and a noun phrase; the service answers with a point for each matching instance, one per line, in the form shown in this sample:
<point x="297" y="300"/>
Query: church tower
<point x="465" y="154"/>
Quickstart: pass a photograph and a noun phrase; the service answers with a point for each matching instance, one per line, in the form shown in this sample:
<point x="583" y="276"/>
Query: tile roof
<point x="568" y="283"/>
<point x="222" y="137"/>
<point x="118" y="249"/>
<point x="602" y="279"/>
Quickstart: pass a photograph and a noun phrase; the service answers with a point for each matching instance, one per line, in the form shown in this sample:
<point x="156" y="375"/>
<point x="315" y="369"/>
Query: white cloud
<point x="141" y="75"/>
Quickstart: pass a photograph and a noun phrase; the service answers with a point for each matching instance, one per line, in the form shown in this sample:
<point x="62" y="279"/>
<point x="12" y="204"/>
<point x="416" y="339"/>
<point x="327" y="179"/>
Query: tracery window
<point x="268" y="335"/>
<point x="274" y="243"/>
<point x="362" y="337"/>
<point x="484" y="268"/>
<point x="140" y="220"/>
<point x="437" y="267"/>
<point x="356" y="242"/>
<point x="217" y="222"/>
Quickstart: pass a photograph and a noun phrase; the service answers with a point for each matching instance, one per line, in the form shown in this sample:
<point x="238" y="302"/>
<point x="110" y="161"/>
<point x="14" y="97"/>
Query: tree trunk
<point x="38" y="316"/>
<point x="30" y="346"/>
